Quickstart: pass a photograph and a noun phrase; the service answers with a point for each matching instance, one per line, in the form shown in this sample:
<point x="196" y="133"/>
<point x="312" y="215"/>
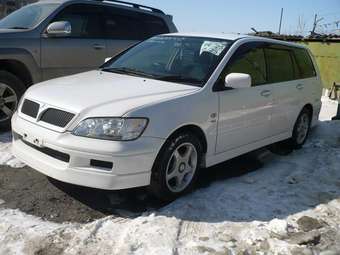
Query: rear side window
<point x="122" y="25"/>
<point x="85" y="20"/>
<point x="304" y="63"/>
<point x="251" y="62"/>
<point x="128" y="25"/>
<point x="280" y="65"/>
<point x="151" y="25"/>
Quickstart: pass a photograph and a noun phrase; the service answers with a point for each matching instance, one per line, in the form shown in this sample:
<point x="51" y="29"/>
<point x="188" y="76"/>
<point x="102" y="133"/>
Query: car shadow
<point x="132" y="203"/>
<point x="129" y="203"/>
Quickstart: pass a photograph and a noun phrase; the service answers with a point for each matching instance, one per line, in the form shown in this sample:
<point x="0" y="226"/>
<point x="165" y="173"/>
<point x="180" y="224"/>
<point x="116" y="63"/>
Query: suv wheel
<point x="176" y="167"/>
<point x="11" y="90"/>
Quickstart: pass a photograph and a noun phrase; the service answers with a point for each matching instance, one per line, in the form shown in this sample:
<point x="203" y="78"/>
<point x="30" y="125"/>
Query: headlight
<point x="116" y="129"/>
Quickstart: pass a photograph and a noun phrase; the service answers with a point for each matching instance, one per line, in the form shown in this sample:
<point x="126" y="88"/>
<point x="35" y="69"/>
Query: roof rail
<point x="134" y="5"/>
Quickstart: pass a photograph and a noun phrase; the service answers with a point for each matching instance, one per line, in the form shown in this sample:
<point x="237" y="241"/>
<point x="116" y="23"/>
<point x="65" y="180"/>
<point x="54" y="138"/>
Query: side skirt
<point x="224" y="156"/>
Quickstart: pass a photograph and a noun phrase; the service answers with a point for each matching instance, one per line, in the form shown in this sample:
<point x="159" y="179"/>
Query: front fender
<point x="25" y="58"/>
<point x="168" y="116"/>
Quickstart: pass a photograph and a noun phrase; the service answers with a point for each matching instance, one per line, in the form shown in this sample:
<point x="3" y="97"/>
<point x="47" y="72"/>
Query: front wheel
<point x="176" y="167"/>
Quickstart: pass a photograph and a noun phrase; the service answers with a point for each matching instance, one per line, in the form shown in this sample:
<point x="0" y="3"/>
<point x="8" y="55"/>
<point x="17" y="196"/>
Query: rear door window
<point x="128" y="25"/>
<point x="304" y="63"/>
<point x="151" y="25"/>
<point x="122" y="25"/>
<point x="280" y="64"/>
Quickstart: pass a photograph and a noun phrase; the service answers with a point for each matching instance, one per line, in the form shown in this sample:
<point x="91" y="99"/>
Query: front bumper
<point x="131" y="161"/>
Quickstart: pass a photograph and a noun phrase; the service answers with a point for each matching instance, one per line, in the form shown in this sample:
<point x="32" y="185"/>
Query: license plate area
<point x="38" y="142"/>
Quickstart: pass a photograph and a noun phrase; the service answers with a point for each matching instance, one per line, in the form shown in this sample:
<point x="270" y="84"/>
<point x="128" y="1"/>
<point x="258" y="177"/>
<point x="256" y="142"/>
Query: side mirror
<point x="59" y="28"/>
<point x="238" y="80"/>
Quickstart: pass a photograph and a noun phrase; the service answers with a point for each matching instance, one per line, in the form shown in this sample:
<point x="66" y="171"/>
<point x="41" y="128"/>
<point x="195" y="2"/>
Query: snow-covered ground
<point x="289" y="206"/>
<point x="6" y="157"/>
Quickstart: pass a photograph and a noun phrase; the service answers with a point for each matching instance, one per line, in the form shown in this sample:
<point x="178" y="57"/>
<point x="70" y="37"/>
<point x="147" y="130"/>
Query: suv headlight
<point x="116" y="129"/>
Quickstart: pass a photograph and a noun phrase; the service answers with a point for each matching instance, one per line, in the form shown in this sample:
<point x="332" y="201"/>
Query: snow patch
<point x="6" y="157"/>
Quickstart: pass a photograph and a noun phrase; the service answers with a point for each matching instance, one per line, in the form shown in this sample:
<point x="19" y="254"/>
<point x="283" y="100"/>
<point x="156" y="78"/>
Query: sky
<point x="231" y="16"/>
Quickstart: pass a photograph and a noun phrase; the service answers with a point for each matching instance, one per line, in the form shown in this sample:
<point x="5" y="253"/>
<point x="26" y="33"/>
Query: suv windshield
<point x="28" y="16"/>
<point x="188" y="60"/>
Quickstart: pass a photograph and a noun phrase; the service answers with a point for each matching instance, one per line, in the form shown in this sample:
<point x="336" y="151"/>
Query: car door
<point x="83" y="50"/>
<point x="283" y="74"/>
<point x="245" y="114"/>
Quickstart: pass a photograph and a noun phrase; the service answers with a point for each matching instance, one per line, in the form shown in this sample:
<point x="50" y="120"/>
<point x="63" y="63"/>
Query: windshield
<point x="188" y="60"/>
<point x="27" y="17"/>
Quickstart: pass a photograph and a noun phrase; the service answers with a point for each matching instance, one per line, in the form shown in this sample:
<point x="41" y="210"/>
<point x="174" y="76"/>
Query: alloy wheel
<point x="181" y="167"/>
<point x="8" y="102"/>
<point x="302" y="128"/>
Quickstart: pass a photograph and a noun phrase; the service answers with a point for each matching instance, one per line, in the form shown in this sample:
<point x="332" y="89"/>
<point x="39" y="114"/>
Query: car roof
<point x="117" y="3"/>
<point x="234" y="37"/>
<point x="231" y="37"/>
<point x="51" y="1"/>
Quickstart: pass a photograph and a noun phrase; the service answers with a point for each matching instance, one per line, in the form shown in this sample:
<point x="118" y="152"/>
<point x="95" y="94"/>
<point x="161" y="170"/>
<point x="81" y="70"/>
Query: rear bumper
<point x="131" y="161"/>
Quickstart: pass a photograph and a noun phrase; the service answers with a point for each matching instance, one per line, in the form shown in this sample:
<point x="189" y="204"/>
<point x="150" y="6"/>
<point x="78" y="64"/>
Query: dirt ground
<point x="35" y="194"/>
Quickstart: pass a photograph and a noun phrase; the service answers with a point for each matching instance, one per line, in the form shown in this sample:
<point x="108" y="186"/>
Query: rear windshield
<point x="27" y="17"/>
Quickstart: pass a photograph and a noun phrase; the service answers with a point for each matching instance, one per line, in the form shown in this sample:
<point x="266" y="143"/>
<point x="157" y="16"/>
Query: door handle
<point x="98" y="46"/>
<point x="266" y="93"/>
<point x="299" y="86"/>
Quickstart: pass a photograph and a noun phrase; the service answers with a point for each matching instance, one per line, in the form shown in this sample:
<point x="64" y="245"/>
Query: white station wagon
<point x="160" y="111"/>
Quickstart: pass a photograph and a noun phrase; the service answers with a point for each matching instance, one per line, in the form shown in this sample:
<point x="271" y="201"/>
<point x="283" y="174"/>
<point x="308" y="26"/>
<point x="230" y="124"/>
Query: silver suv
<point x="53" y="38"/>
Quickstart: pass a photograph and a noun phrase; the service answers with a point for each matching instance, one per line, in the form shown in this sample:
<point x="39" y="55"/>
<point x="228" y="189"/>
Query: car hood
<point x="6" y="31"/>
<point x="98" y="93"/>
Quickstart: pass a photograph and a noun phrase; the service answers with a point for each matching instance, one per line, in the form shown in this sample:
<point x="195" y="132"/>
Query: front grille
<point x="56" y="117"/>
<point x="30" y="108"/>
<point x="50" y="152"/>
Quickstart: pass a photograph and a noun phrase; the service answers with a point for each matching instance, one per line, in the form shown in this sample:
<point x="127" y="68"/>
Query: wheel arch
<point x="309" y="107"/>
<point x="195" y="130"/>
<point x="18" y="69"/>
<point x="189" y="128"/>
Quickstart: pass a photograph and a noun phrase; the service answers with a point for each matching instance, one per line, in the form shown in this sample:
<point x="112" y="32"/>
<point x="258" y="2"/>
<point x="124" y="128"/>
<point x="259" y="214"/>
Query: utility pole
<point x="281" y="21"/>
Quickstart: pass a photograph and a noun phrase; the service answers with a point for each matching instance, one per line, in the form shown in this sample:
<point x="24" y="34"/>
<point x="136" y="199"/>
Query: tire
<point x="11" y="89"/>
<point x="174" y="172"/>
<point x="301" y="129"/>
<point x="286" y="147"/>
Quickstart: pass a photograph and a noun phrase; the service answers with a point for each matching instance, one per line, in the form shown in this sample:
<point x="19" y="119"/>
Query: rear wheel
<point x="11" y="90"/>
<point x="299" y="137"/>
<point x="176" y="167"/>
<point x="301" y="129"/>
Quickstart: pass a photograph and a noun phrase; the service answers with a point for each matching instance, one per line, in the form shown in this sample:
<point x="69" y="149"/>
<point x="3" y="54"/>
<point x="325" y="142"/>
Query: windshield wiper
<point x="126" y="70"/>
<point x="172" y="78"/>
<point x="18" y="28"/>
<point x="179" y="78"/>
